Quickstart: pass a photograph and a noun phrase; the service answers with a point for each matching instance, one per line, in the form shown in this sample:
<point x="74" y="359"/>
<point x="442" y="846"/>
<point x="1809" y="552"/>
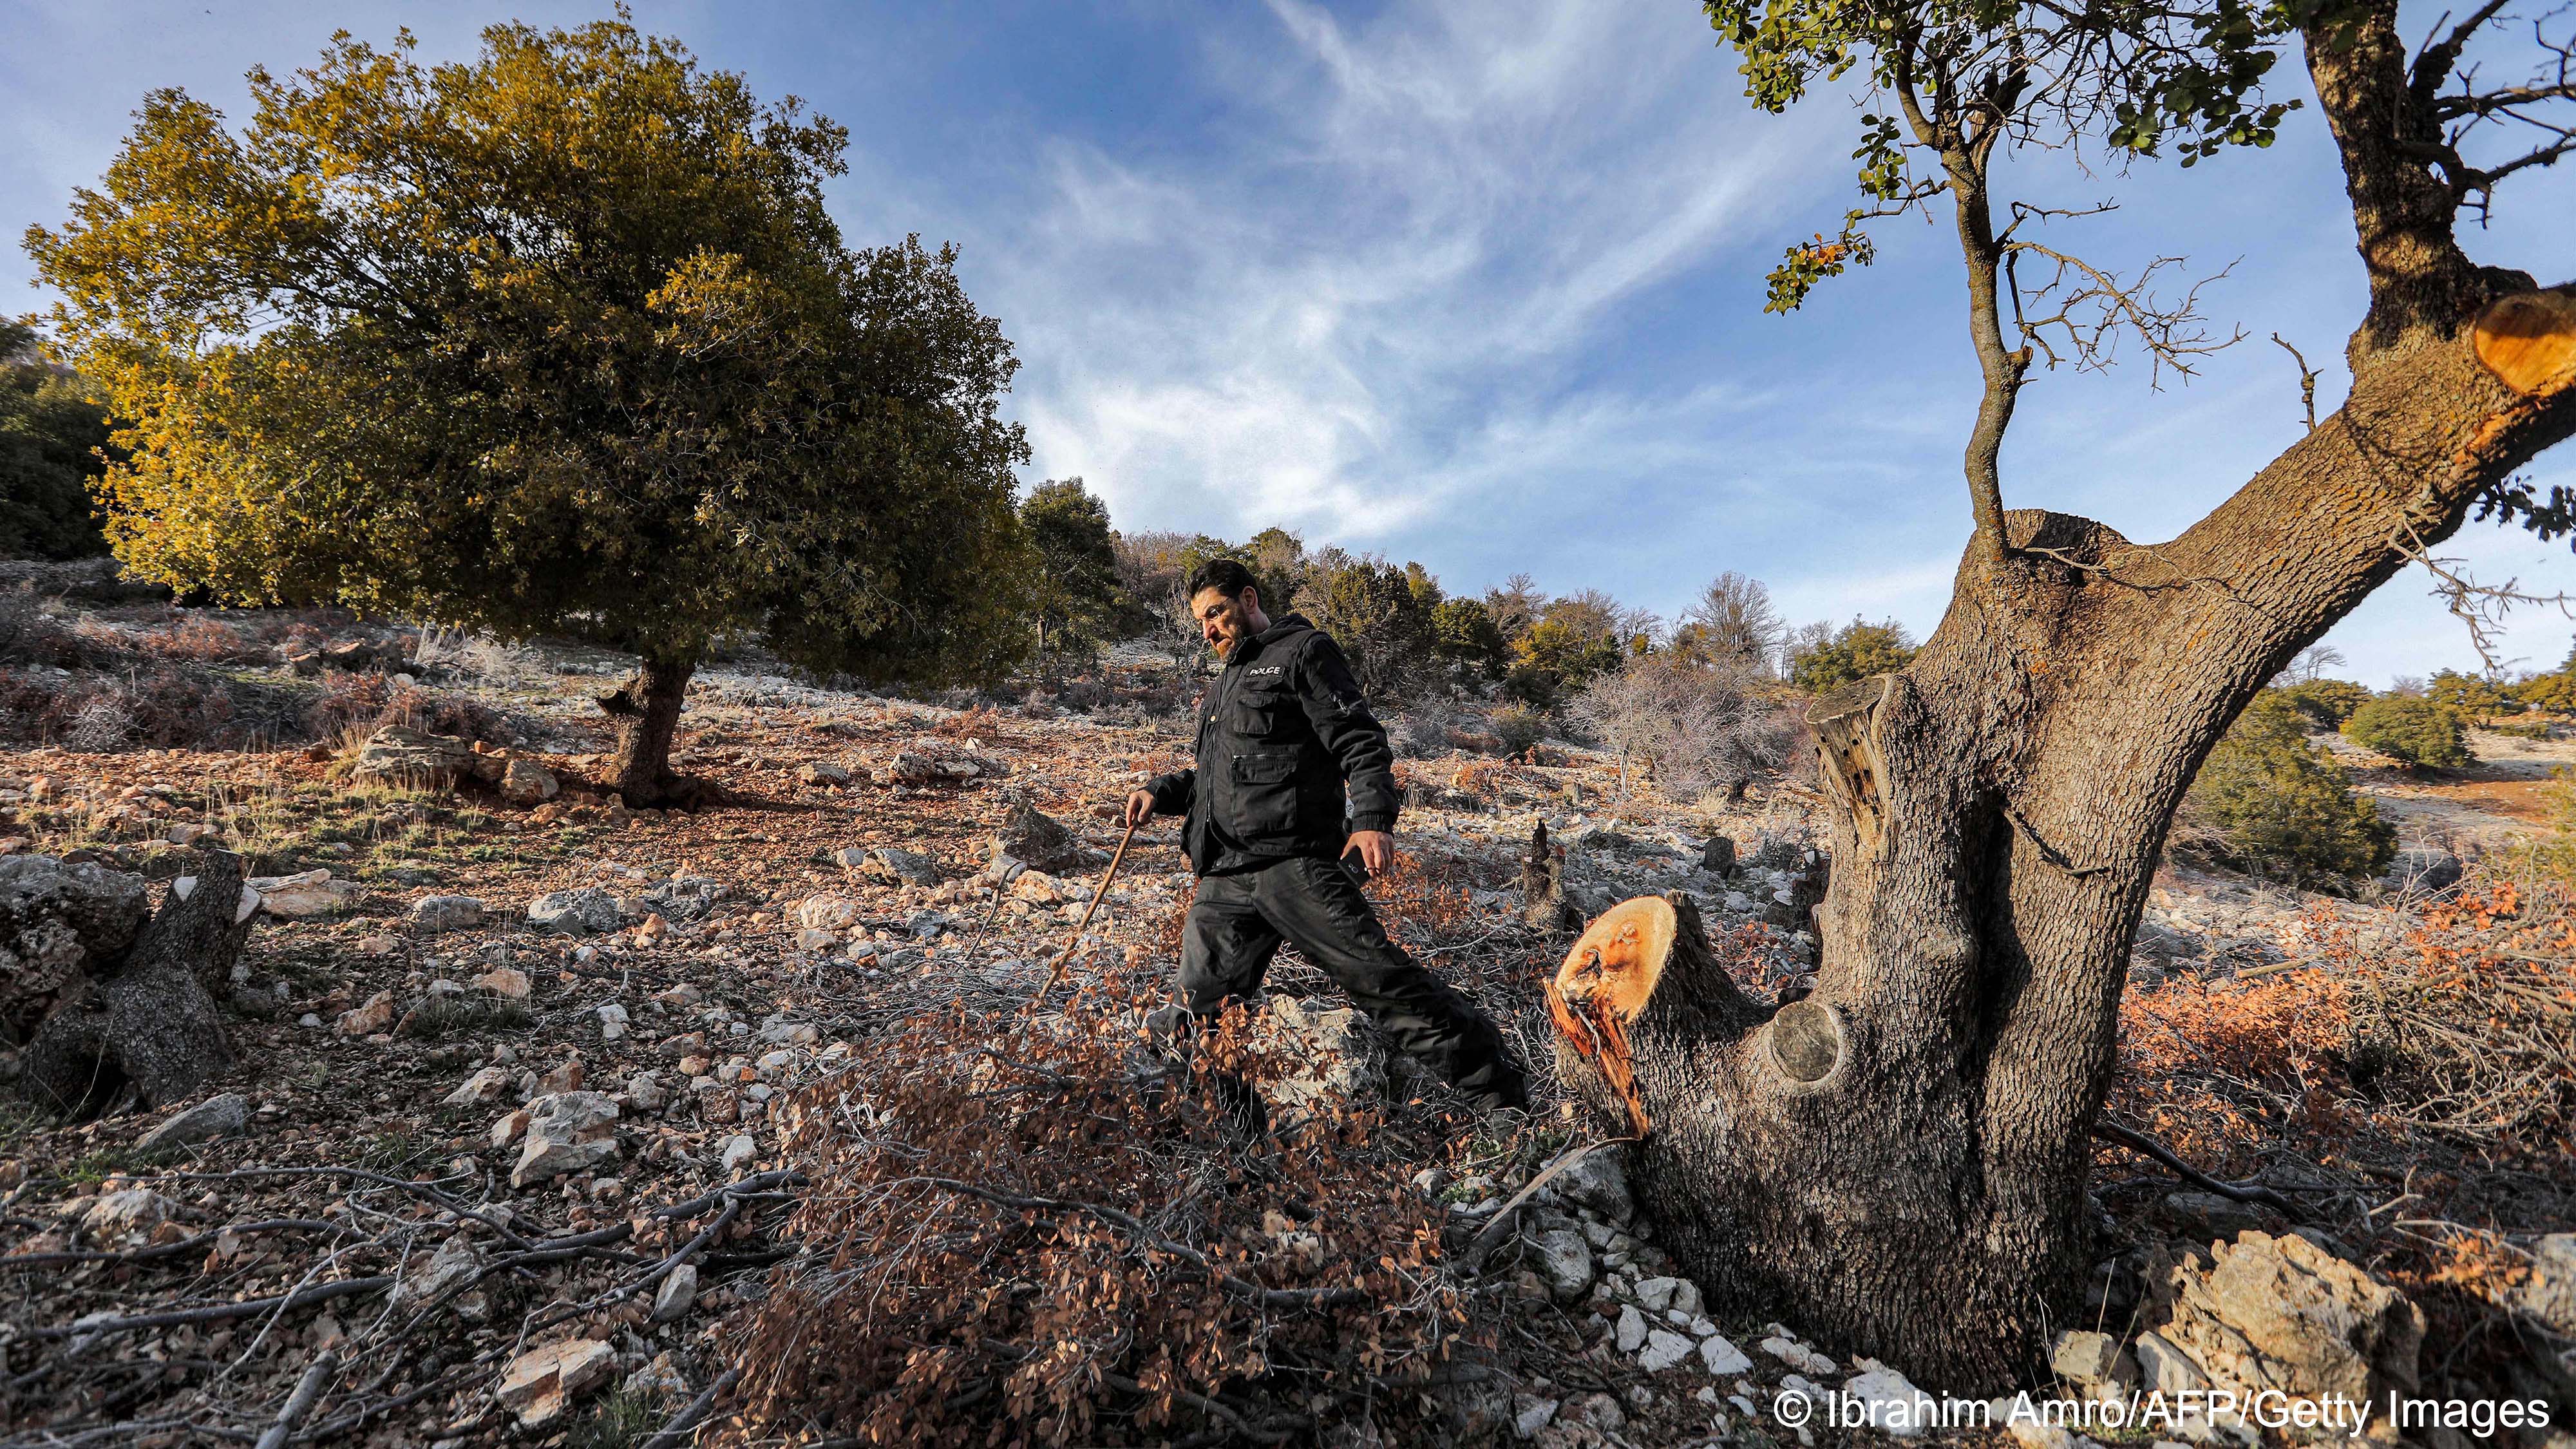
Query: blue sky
<point x="1475" y="283"/>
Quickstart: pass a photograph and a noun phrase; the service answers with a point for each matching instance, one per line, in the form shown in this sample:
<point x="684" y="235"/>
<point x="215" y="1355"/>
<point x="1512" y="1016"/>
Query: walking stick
<point x="1055" y="973"/>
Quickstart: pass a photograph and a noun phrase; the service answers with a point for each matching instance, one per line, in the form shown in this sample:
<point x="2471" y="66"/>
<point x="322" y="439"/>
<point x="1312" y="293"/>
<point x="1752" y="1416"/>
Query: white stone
<point x="1664" y="1349"/>
<point x="1632" y="1329"/>
<point x="2165" y="1368"/>
<point x="1723" y="1357"/>
<point x="218" y="1116"/>
<point x="446" y="913"/>
<point x="452" y="1266"/>
<point x="1565" y="1261"/>
<point x="1655" y="1294"/>
<point x="737" y="1151"/>
<point x="1531" y="1414"/>
<point x="541" y="1383"/>
<point x="1894" y="1405"/>
<point x="567" y="1132"/>
<point x="486" y="1086"/>
<point x="679" y="1290"/>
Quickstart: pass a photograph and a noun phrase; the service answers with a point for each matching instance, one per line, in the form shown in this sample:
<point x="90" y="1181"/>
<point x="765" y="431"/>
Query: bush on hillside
<point x="1855" y="651"/>
<point x="2326" y="703"/>
<point x="1692" y="727"/>
<point x="2414" y="732"/>
<point x="2280" y="807"/>
<point x="2470" y="694"/>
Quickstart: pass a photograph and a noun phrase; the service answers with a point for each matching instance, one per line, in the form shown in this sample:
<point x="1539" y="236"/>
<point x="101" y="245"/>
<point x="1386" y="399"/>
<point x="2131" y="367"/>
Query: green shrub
<point x="2470" y="694"/>
<point x="2326" y="703"/>
<point x="2554" y="692"/>
<point x="2415" y="732"/>
<point x="2281" y="807"/>
<point x="1519" y="727"/>
<point x="1855" y="651"/>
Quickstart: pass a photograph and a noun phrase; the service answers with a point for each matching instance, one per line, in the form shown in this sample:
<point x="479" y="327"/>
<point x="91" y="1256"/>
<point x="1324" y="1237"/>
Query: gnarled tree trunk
<point x="1899" y="1159"/>
<point x="146" y="1023"/>
<point x="646" y="714"/>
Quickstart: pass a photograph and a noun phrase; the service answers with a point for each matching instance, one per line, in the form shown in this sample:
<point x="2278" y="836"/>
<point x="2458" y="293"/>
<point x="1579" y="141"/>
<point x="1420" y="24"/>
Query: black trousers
<point x="1235" y="927"/>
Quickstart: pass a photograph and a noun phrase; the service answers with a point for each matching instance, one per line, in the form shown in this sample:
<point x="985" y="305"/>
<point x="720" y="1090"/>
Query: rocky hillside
<point x="557" y="1122"/>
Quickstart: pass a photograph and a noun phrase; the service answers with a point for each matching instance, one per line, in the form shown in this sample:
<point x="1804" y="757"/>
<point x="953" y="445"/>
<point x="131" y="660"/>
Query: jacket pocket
<point x="1265" y="791"/>
<point x="1264" y="714"/>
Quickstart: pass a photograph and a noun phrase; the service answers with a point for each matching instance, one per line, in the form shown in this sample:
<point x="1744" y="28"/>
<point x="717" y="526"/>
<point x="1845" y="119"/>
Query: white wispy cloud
<point x="1370" y="314"/>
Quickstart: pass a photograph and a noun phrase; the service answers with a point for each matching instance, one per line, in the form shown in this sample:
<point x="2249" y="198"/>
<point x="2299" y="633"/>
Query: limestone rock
<point x="1664" y="1349"/>
<point x="452" y="1266"/>
<point x="2266" y="1312"/>
<point x="828" y="912"/>
<point x="507" y="982"/>
<point x="396" y="755"/>
<point x="1891" y="1401"/>
<point x="1029" y="835"/>
<point x="737" y="1151"/>
<point x="1598" y="1182"/>
<point x="1565" y="1262"/>
<point x="541" y="1383"/>
<point x="2549" y="1294"/>
<point x="525" y="782"/>
<point x="2083" y="1357"/>
<point x="899" y="867"/>
<point x="446" y="913"/>
<point x="225" y="1115"/>
<point x="300" y="897"/>
<point x="1722" y="1358"/>
<point x="567" y="1132"/>
<point x="1631" y="1329"/>
<point x="678" y="1291"/>
<point x="1335" y="1056"/>
<point x="824" y="772"/>
<point x="373" y="1015"/>
<point x="127" y="1212"/>
<point x="585" y="911"/>
<point x="489" y="1085"/>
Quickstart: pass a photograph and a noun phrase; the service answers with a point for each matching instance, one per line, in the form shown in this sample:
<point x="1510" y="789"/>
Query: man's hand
<point x="1376" y="848"/>
<point x="1140" y="806"/>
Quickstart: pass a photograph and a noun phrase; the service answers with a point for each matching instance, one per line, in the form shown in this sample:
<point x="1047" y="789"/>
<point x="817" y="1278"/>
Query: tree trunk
<point x="147" y="1023"/>
<point x="646" y="714"/>
<point x="1898" y="1159"/>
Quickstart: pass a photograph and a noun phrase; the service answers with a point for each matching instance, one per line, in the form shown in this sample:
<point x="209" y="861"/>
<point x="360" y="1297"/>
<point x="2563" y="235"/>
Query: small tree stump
<point x="145" y="1023"/>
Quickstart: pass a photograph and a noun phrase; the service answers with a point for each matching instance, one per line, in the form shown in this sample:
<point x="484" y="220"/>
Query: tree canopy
<point x="1077" y="597"/>
<point x="559" y="339"/>
<point x="51" y="435"/>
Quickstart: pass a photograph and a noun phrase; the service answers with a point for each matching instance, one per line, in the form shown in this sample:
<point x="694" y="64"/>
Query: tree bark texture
<point x="1898" y="1160"/>
<point x="147" y="1022"/>
<point x="645" y="712"/>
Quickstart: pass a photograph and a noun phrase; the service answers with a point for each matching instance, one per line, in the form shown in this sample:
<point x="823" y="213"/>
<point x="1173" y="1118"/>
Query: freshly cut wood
<point x="2528" y="340"/>
<point x="1637" y="992"/>
<point x="1620" y="956"/>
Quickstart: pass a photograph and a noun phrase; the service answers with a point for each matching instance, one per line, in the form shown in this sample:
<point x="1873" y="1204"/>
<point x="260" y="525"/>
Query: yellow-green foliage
<point x="2412" y="731"/>
<point x="560" y="339"/>
<point x="2282" y="805"/>
<point x="2468" y="693"/>
<point x="1855" y="651"/>
<point x="2326" y="703"/>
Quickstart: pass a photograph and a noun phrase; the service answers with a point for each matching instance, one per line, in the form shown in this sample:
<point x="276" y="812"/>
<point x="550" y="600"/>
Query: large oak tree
<point x="1900" y="1157"/>
<point x="561" y="339"/>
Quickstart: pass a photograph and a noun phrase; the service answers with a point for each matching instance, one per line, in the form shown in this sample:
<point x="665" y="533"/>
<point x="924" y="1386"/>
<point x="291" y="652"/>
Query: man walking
<point x="1281" y="732"/>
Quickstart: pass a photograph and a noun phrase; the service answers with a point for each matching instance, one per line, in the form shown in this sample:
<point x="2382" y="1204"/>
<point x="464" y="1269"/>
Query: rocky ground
<point x="520" y="1140"/>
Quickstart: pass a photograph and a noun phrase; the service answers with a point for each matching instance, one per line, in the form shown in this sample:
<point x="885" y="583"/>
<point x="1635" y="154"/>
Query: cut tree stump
<point x="145" y="1024"/>
<point x="1543" y="903"/>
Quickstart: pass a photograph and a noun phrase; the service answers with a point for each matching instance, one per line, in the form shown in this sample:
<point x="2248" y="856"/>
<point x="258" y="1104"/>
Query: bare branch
<point x="2307" y="381"/>
<point x="2481" y="608"/>
<point x="2095" y="307"/>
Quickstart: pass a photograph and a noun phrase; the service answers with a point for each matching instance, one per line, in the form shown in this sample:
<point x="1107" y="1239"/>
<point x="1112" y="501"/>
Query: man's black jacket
<point x="1280" y="731"/>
